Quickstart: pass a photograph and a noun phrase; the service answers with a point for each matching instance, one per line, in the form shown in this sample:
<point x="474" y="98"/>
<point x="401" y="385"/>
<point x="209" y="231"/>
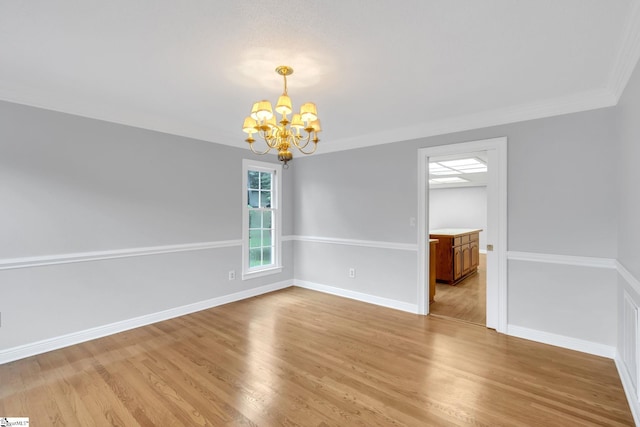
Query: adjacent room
<point x="325" y="213"/>
<point x="458" y="229"/>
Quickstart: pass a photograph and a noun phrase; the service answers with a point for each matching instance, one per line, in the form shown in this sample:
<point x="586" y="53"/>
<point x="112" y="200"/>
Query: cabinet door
<point x="475" y="254"/>
<point x="457" y="262"/>
<point x="466" y="258"/>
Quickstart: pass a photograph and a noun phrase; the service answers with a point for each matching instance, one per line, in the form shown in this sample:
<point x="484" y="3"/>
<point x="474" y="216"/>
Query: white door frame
<point x="497" y="223"/>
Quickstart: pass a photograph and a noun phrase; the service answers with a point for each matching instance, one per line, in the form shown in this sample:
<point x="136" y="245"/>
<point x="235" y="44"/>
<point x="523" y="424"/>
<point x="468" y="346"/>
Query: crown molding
<point x="584" y="101"/>
<point x="138" y="120"/>
<point x="574" y="103"/>
<point x="628" y="53"/>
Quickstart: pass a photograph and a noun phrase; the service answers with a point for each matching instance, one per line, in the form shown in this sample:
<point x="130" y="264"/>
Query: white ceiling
<point x="379" y="70"/>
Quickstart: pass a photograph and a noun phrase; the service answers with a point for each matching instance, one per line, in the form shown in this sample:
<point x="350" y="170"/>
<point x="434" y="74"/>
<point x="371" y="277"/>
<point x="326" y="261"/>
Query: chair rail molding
<point x="36" y="261"/>
<point x="562" y="259"/>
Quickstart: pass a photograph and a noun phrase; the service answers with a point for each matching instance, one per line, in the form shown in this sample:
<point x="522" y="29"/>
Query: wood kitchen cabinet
<point x="458" y="253"/>
<point x="433" y="256"/>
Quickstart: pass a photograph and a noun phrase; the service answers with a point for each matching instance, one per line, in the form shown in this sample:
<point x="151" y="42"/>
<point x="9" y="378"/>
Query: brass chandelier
<point x="281" y="135"/>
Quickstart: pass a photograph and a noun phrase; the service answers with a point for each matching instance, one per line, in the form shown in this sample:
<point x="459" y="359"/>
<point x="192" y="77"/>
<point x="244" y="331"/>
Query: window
<point x="261" y="232"/>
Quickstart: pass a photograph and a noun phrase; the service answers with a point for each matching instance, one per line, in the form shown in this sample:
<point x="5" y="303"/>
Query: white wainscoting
<point x="629" y="345"/>
<point x="628" y="354"/>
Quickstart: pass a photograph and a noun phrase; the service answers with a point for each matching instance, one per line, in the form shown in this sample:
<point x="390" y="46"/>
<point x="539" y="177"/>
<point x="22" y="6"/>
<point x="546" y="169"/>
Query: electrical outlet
<point x="232" y="275"/>
<point x="352" y="273"/>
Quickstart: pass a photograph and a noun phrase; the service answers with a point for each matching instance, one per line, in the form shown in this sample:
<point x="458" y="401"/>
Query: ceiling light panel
<point x="456" y="164"/>
<point x="447" y="180"/>
<point x="473" y="170"/>
<point x="446" y="172"/>
<point x="436" y="167"/>
<point x="457" y="167"/>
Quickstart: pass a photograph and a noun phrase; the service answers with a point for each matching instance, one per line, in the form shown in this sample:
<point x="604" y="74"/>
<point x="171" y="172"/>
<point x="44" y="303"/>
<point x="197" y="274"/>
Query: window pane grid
<point x="261" y="247"/>
<point x="261" y="242"/>
<point x="262" y="233"/>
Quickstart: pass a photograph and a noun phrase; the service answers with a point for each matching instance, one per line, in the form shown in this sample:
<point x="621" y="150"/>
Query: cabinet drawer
<point x="474" y="237"/>
<point x="465" y="239"/>
<point x="457" y="241"/>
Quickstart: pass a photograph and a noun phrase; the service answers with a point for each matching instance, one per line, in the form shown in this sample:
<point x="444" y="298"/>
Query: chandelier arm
<point x="260" y="152"/>
<point x="315" y="146"/>
<point x="306" y="140"/>
<point x="271" y="142"/>
<point x="274" y="140"/>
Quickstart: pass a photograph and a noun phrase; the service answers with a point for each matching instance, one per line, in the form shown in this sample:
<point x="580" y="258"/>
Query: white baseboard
<point x="359" y="296"/>
<point x="44" y="346"/>
<point x="562" y="341"/>
<point x="627" y="385"/>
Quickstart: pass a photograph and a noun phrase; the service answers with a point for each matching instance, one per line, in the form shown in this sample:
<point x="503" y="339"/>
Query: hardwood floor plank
<point x="298" y="357"/>
<point x="465" y="301"/>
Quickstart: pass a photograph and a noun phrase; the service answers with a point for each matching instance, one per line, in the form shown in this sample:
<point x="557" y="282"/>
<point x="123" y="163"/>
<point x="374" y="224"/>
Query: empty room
<point x="335" y="213"/>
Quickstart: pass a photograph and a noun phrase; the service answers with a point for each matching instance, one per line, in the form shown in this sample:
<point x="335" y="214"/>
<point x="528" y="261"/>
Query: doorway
<point x="457" y="230"/>
<point x="496" y="236"/>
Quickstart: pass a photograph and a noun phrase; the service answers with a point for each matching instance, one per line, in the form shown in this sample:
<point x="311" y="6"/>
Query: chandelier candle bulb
<point x="283" y="134"/>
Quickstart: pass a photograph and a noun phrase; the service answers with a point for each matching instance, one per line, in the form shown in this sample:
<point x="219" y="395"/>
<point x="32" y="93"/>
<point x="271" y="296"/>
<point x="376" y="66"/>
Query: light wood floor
<point x="298" y="357"/>
<point x="465" y="301"/>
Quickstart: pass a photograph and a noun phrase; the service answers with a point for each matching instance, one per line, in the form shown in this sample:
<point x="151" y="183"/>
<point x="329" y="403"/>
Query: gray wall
<point x="461" y="207"/>
<point x="75" y="185"/>
<point x="628" y="208"/>
<point x="72" y="185"/>
<point x="561" y="173"/>
<point x="357" y="194"/>
<point x="628" y="183"/>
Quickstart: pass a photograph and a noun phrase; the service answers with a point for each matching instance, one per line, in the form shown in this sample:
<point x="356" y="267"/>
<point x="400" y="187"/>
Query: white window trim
<point x="276" y="184"/>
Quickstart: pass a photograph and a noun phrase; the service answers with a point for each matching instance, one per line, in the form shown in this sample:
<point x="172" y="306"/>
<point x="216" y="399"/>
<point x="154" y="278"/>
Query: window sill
<point x="261" y="273"/>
